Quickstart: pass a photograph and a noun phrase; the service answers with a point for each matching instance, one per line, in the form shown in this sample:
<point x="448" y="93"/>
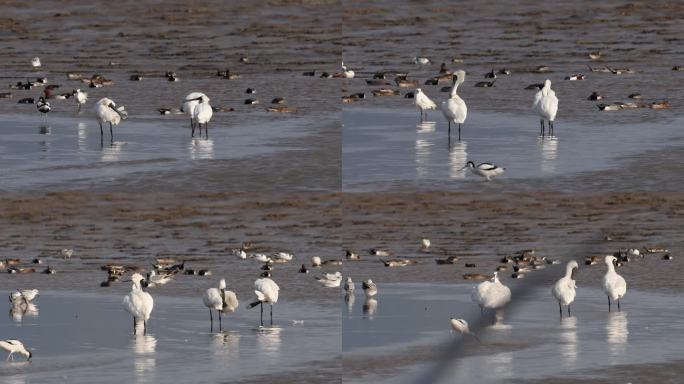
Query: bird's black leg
<point x="618" y="305"/>
<point x="134" y="330"/>
<point x="220" y="324"/>
<point x="560" y="308"/>
<point x="101" y="133"/>
<point x="551" y="125"/>
<point x="206" y="129"/>
<point x="261" y="305"/>
<point x="459" y="132"/>
<point x="271" y="314"/>
<point x="144" y="327"/>
<point x="568" y="310"/>
<point x="211" y="320"/>
<point x="608" y="303"/>
<point x="111" y="133"/>
<point x="541" y="122"/>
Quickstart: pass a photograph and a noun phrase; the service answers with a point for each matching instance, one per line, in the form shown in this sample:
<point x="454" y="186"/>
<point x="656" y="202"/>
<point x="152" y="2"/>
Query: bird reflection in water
<point x="349" y="299"/>
<point x="458" y="157"/>
<point x="568" y="341"/>
<point x="268" y="341"/>
<point x="549" y="152"/>
<point x="144" y="349"/>
<point x="21" y="309"/>
<point x="423" y="146"/>
<point x="370" y="308"/>
<point x="112" y="152"/>
<point x="82" y="137"/>
<point x="226" y="345"/>
<point x="201" y="149"/>
<point x="617" y="333"/>
<point x="498" y="321"/>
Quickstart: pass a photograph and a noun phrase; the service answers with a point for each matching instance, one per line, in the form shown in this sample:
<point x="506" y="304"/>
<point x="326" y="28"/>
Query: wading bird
<point x="107" y="112"/>
<point x="614" y="285"/>
<point x="138" y="302"/>
<point x="266" y="291"/>
<point x="564" y="289"/>
<point x="81" y="98"/>
<point x="455" y="109"/>
<point x="220" y="300"/>
<point x="546" y="105"/>
<point x="15" y="346"/>
<point x="43" y="107"/>
<point x="202" y="115"/>
<point x="423" y="103"/>
<point x="491" y="294"/>
<point x="486" y="170"/>
<point x="460" y="325"/>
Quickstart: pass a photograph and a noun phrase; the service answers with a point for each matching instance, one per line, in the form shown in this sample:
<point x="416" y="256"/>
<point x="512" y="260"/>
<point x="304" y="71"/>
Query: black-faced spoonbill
<point x="138" y="302"/>
<point x="564" y="289"/>
<point x="546" y="105"/>
<point x="614" y="285"/>
<point x="266" y="291"/>
<point x="107" y="112"/>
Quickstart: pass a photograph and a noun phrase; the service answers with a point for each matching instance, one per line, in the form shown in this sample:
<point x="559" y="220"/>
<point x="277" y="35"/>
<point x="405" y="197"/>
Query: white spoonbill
<point x="460" y="325"/>
<point x="348" y="73"/>
<point x="202" y="115"/>
<point x="15" y="346"/>
<point x="564" y="289"/>
<point x="491" y="294"/>
<point x="107" y="112"/>
<point x="614" y="285"/>
<point x="266" y="291"/>
<point x="423" y="103"/>
<point x="189" y="104"/>
<point x="220" y="300"/>
<point x="369" y="288"/>
<point x="546" y="105"/>
<point x="81" y="98"/>
<point x="486" y="170"/>
<point x="138" y="302"/>
<point x="455" y="109"/>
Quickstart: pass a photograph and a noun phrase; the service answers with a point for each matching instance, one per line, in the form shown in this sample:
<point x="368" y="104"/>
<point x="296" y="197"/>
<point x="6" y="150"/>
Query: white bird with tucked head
<point x="460" y="325"/>
<point x="564" y="289"/>
<point x="220" y="300"/>
<point x="546" y="105"/>
<point x="202" y="115"/>
<point x="15" y="346"/>
<point x="614" y="285"/>
<point x="369" y="288"/>
<point x="138" y="302"/>
<point x="266" y="291"/>
<point x="35" y="62"/>
<point x="491" y="294"/>
<point x="455" y="109"/>
<point x="107" y="112"/>
<point x="423" y="103"/>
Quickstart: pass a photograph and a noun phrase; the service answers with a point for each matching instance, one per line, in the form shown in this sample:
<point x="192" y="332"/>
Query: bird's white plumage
<point x="190" y="102"/>
<point x="422" y="101"/>
<point x="491" y="294"/>
<point x="331" y="280"/>
<point x="545" y="102"/>
<point x="348" y="73"/>
<point x="266" y="290"/>
<point x="459" y="325"/>
<point x="369" y="288"/>
<point x="614" y="285"/>
<point x="35" y="62"/>
<point x="202" y="113"/>
<point x="138" y="302"/>
<point x="106" y="112"/>
<point x="349" y="285"/>
<point x="212" y="298"/>
<point x="454" y="109"/>
<point x="316" y="261"/>
<point x="486" y="170"/>
<point x="564" y="289"/>
<point x="14" y="346"/>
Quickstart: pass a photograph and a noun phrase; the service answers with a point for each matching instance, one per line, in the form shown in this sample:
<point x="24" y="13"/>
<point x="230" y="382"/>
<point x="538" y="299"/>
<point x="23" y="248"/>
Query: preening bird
<point x="614" y="285"/>
<point x="220" y="300"/>
<point x="138" y="302"/>
<point x="423" y="103"/>
<point x="369" y="288"/>
<point x="491" y="294"/>
<point x="546" y="105"/>
<point x="107" y="112"/>
<point x="266" y="291"/>
<point x="202" y="115"/>
<point x="564" y="289"/>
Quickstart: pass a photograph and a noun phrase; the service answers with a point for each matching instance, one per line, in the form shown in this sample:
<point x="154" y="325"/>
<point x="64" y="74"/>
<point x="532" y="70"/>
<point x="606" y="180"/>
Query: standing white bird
<point x="315" y="261"/>
<point x="423" y="103"/>
<point x="202" y="115"/>
<point x="546" y="105"/>
<point x="220" y="300"/>
<point x="81" y="98"/>
<point x="348" y="73"/>
<point x="564" y="289"/>
<point x="425" y="243"/>
<point x="460" y="325"/>
<point x="486" y="170"/>
<point x="369" y="288"/>
<point x="189" y="104"/>
<point x="107" y="112"/>
<point x="266" y="291"/>
<point x="35" y="62"/>
<point x="491" y="294"/>
<point x="43" y="107"/>
<point x="614" y="285"/>
<point x="66" y="253"/>
<point x="138" y="302"/>
<point x="15" y="346"/>
<point x="455" y="109"/>
<point x="349" y="286"/>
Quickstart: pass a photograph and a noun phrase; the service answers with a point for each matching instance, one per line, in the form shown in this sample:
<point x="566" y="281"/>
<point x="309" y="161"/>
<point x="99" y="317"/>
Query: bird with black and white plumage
<point x="486" y="170"/>
<point x="220" y="300"/>
<point x="347" y="73"/>
<point x="369" y="288"/>
<point x="23" y="296"/>
<point x="155" y="279"/>
<point x="461" y="325"/>
<point x="43" y="107"/>
<point x="349" y="286"/>
<point x="15" y="346"/>
<point x="267" y="291"/>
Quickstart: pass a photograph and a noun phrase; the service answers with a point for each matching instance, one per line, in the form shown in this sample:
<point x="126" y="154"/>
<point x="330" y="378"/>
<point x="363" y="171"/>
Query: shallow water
<point x="82" y="338"/>
<point x="392" y="145"/>
<point x="528" y="341"/>
<point x="69" y="150"/>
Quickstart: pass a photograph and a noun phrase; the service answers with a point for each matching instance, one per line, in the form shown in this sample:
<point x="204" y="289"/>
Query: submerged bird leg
<point x="618" y="305"/>
<point x="101" y="133"/>
<point x="560" y="308"/>
<point x="220" y="324"/>
<point x="134" y="330"/>
<point x="551" y="129"/>
<point x="608" y="303"/>
<point x="459" y="132"/>
<point x="541" y="130"/>
<point x="261" y="305"/>
<point x="568" y="310"/>
<point x="271" y="314"/>
<point x="206" y="129"/>
<point x="145" y="327"/>
<point x="111" y="134"/>
<point x="211" y="320"/>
